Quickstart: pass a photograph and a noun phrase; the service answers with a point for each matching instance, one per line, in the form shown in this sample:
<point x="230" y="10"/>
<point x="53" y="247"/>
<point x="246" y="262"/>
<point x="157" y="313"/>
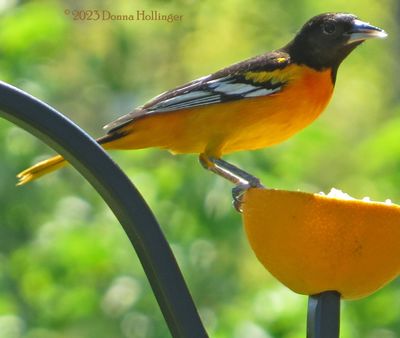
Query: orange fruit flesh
<point x="313" y="243"/>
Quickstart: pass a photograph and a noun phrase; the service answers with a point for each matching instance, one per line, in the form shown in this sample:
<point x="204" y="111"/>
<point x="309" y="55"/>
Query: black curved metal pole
<point x="122" y="197"/>
<point x="323" y="317"/>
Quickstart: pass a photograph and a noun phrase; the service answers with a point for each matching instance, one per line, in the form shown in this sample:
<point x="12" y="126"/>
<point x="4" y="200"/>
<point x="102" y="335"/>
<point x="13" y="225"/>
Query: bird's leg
<point x="242" y="179"/>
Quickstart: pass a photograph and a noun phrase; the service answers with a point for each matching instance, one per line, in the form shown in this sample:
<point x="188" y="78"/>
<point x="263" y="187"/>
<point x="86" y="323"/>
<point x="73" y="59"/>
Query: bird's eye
<point x="329" y="28"/>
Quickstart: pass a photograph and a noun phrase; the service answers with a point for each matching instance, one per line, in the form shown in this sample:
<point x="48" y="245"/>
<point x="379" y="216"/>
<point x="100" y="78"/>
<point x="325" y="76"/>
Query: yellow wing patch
<point x="288" y="73"/>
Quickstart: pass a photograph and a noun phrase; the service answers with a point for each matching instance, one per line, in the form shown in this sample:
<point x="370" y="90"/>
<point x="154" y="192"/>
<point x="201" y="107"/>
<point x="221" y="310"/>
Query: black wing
<point x="236" y="82"/>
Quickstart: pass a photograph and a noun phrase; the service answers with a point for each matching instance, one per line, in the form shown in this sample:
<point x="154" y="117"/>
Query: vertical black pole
<point x="323" y="317"/>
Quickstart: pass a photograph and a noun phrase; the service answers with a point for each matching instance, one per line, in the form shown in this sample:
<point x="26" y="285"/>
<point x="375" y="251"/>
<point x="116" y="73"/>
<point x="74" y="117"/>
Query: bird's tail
<point x="40" y="169"/>
<point x="57" y="162"/>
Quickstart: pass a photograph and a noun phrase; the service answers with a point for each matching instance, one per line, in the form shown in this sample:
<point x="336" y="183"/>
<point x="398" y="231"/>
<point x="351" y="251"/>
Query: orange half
<point x="313" y="243"/>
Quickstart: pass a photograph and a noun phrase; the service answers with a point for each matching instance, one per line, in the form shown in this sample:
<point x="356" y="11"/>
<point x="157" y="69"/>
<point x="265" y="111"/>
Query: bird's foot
<point x="239" y="190"/>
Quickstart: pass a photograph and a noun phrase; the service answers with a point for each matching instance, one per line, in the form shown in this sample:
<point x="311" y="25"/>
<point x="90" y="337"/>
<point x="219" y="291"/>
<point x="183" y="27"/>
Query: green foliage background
<point x="67" y="269"/>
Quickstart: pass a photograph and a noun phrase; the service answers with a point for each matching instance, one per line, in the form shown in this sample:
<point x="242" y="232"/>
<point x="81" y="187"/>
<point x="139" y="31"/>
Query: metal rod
<point x="323" y="317"/>
<point x="136" y="218"/>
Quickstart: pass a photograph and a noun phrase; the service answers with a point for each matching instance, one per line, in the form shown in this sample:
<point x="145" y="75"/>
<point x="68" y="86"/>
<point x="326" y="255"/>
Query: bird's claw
<point x="239" y="190"/>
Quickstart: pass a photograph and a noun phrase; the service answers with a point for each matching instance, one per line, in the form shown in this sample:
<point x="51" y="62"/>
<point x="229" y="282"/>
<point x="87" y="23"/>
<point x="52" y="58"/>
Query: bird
<point x="253" y="104"/>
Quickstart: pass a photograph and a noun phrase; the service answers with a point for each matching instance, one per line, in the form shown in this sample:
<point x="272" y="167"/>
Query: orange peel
<point x="314" y="243"/>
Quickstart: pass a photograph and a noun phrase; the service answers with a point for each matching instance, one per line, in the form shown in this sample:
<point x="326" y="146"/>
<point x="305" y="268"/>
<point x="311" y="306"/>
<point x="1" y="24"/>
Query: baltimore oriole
<point x="250" y="105"/>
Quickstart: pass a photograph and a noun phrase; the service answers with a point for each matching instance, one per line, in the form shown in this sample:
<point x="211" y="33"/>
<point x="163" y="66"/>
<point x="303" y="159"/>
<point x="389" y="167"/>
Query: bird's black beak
<point x="361" y="31"/>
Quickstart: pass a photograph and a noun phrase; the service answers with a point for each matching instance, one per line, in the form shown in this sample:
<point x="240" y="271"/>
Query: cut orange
<point x="313" y="243"/>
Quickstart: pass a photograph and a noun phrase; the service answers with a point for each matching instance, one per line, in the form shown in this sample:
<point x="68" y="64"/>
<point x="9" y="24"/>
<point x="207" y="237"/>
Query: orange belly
<point x="246" y="124"/>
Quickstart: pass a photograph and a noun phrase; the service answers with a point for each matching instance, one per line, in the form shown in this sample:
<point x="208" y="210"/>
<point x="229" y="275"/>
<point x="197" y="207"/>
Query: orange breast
<point x="245" y="124"/>
<point x="272" y="119"/>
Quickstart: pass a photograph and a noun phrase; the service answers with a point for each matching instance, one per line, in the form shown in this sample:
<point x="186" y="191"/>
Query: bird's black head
<point x="325" y="40"/>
